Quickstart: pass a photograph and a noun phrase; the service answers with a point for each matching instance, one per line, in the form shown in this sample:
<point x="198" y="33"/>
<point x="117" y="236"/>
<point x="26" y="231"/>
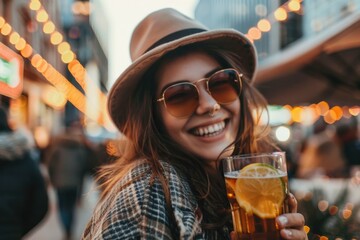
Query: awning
<point x="325" y="67"/>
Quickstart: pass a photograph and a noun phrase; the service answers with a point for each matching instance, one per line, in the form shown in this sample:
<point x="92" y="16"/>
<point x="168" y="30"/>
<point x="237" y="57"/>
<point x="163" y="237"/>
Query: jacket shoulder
<point x="140" y="206"/>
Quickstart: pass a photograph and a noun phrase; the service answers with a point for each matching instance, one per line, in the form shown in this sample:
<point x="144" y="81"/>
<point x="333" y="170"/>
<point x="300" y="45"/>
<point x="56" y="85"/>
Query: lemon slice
<point x="260" y="190"/>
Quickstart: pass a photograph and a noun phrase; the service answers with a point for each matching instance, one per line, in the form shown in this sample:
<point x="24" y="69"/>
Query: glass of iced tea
<point x="257" y="186"/>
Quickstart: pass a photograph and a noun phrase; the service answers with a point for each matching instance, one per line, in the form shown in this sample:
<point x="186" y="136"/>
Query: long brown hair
<point x="147" y="140"/>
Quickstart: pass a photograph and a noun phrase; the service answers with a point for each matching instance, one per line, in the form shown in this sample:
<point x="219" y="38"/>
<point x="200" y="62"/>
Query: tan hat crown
<point x="160" y="27"/>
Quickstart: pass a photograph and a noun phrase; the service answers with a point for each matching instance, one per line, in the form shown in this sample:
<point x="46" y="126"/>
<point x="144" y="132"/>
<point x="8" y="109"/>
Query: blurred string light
<point x="280" y="14"/>
<point x="62" y="85"/>
<point x="282" y="133"/>
<point x="308" y="115"/>
<point x="56" y="38"/>
<point x="6" y="29"/>
<point x="41" y="136"/>
<point x="323" y="205"/>
<point x="81" y="8"/>
<point x="52" y="97"/>
<point x="68" y="56"/>
<point x="345" y="212"/>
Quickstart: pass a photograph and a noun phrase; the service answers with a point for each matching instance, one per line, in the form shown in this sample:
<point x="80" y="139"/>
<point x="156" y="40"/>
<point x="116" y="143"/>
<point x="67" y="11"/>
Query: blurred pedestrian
<point x="69" y="158"/>
<point x="23" y="194"/>
<point x="321" y="157"/>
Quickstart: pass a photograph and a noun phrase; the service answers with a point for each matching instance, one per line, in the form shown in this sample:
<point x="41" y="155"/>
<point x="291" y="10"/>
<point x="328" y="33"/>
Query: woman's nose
<point x="206" y="102"/>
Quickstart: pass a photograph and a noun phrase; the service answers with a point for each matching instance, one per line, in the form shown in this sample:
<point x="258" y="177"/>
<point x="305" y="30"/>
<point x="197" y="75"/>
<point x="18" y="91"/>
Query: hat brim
<point x="119" y="99"/>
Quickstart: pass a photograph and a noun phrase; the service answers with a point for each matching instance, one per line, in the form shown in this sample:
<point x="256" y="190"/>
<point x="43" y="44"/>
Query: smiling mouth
<point x="210" y="130"/>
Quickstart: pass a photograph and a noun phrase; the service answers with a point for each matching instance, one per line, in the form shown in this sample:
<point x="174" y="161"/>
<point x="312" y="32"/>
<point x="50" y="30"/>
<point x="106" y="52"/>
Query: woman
<point x="185" y="102"/>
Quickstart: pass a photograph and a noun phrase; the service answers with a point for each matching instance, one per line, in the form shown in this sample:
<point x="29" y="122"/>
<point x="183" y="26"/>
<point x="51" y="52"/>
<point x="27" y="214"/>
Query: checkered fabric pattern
<point x="139" y="210"/>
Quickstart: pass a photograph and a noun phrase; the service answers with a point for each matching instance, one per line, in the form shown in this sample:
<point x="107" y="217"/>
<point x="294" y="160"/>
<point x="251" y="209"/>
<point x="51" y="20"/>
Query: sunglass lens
<point x="224" y="86"/>
<point x="181" y="100"/>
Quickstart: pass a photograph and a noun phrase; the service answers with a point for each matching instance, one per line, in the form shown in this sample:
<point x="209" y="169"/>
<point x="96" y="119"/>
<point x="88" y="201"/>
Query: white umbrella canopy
<point x="325" y="67"/>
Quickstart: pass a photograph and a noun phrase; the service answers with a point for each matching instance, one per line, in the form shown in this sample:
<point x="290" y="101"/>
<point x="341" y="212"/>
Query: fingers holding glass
<point x="291" y="226"/>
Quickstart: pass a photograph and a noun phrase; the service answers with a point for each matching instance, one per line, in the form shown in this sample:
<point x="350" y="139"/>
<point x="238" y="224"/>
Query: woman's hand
<point x="291" y="224"/>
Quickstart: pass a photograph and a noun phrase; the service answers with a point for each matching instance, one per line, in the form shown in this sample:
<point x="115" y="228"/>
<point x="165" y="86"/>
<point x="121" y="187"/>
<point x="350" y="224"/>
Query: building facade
<point x="312" y="17"/>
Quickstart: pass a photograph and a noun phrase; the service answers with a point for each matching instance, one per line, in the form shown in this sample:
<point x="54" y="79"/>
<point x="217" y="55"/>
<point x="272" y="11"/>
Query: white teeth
<point x="210" y="130"/>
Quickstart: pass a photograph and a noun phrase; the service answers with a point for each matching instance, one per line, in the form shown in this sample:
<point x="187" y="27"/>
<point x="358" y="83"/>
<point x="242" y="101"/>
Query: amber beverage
<point x="257" y="186"/>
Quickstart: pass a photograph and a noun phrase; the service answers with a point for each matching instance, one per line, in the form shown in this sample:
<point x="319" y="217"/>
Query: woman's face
<point x="189" y="132"/>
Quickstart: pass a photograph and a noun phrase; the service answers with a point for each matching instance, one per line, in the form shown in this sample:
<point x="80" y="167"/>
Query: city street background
<point x="51" y="228"/>
<point x="59" y="58"/>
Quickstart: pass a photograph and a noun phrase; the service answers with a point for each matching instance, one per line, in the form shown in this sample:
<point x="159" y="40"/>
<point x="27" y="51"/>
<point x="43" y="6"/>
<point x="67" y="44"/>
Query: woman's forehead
<point x="188" y="66"/>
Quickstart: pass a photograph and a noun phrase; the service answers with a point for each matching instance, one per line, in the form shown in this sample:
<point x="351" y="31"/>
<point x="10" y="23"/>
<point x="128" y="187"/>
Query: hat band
<point x="174" y="36"/>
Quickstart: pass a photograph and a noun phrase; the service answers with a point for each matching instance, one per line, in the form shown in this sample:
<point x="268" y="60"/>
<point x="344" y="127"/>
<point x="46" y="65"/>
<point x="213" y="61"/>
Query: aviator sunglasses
<point x="182" y="99"/>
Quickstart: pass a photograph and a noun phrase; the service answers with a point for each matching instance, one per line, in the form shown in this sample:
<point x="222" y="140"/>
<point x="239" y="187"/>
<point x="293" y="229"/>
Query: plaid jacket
<point x="139" y="211"/>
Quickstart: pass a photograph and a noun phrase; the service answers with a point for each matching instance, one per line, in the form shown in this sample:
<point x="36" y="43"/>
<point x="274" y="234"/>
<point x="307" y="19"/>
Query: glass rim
<point x="250" y="155"/>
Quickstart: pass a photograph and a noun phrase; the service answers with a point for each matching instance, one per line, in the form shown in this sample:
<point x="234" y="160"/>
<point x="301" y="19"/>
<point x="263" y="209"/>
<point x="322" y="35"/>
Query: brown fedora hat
<point x="159" y="33"/>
